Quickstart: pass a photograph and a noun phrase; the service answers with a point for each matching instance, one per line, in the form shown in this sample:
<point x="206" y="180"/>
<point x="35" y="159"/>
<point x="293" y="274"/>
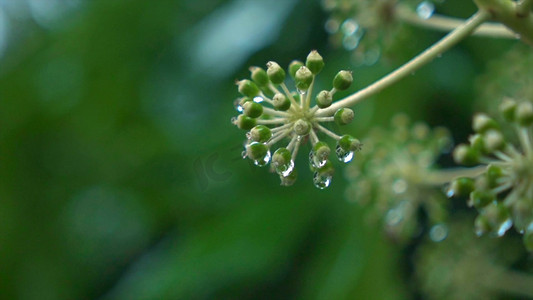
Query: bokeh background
<point x="121" y="176"/>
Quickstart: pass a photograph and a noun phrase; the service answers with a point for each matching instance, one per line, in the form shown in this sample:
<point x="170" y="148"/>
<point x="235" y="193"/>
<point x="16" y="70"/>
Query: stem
<point x="273" y="112"/>
<point x="439" y="177"/>
<point x="328" y="132"/>
<point x="423" y="58"/>
<point x="444" y="23"/>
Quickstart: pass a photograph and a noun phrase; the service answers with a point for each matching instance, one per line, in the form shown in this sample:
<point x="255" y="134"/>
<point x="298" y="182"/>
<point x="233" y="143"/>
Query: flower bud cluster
<point x="272" y="114"/>
<point x="503" y="192"/>
<point x="394" y="176"/>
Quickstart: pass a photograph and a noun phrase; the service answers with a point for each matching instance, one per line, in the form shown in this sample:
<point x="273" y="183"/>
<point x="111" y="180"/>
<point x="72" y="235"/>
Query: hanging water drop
<point x="321" y="180"/>
<point x="258" y="99"/>
<point x="425" y="10"/>
<point x="503" y="226"/>
<point x="263" y="161"/>
<point x="315" y="161"/>
<point x="237" y="105"/>
<point x="285" y="170"/>
<point x="343" y="155"/>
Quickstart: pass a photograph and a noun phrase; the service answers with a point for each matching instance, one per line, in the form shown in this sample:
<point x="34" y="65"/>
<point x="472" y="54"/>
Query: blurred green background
<point x="121" y="176"/>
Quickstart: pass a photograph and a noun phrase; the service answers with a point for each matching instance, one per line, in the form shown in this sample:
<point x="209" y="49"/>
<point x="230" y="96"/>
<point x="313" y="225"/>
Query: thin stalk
<point x="422" y="59"/>
<point x="439" y="177"/>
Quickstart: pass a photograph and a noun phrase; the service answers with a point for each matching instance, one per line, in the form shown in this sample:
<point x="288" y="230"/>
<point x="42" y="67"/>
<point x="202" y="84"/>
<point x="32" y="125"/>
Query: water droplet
<point x="249" y="135"/>
<point x="234" y="120"/>
<point x="425" y="10"/>
<point x="321" y="181"/>
<point x="264" y="161"/>
<point x="244" y="154"/>
<point x="503" y="227"/>
<point x="258" y="99"/>
<point x="349" y="26"/>
<point x="301" y="92"/>
<point x="343" y="155"/>
<point x="315" y="161"/>
<point x="332" y="26"/>
<point x="438" y="232"/>
<point x="285" y="169"/>
<point x="450" y="192"/>
<point x="399" y="186"/>
<point x="237" y="105"/>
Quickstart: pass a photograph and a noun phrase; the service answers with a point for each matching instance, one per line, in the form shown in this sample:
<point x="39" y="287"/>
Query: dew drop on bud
<point x="321" y="181"/>
<point x="285" y="169"/>
<point x="343" y="155"/>
<point x="315" y="161"/>
<point x="263" y="161"/>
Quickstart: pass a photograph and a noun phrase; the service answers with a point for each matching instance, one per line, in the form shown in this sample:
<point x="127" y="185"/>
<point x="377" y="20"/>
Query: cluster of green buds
<point x="469" y="268"/>
<point x="368" y="27"/>
<point x="271" y="113"/>
<point x="502" y="192"/>
<point x="395" y="177"/>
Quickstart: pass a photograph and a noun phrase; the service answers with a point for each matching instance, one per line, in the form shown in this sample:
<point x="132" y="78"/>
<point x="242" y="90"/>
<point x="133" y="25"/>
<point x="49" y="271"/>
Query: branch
<point x="422" y="59"/>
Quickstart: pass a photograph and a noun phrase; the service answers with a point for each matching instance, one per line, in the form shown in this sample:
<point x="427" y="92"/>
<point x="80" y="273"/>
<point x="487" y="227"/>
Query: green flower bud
<point x="327" y="169"/>
<point x="252" y="109"/>
<point x="302" y="127"/>
<point x="314" y="62"/>
<point x="480" y="199"/>
<point x="256" y="151"/>
<point x="522" y="212"/>
<point x="508" y="109"/>
<point x="343" y="116"/>
<point x="303" y="78"/>
<point x="481" y="123"/>
<point x="493" y="174"/>
<point x="294" y="66"/>
<point x="460" y="187"/>
<point x="477" y="142"/>
<point x="482" y="225"/>
<point x="321" y="150"/>
<point x="494" y="140"/>
<point x="342" y="80"/>
<point x="324" y="99"/>
<point x="349" y="143"/>
<point x="275" y="73"/>
<point x="259" y="76"/>
<point x="528" y="238"/>
<point x="248" y="88"/>
<point x="497" y="215"/>
<point x="244" y="122"/>
<point x="281" y="102"/>
<point x="290" y="179"/>
<point x="465" y="155"/>
<point x="281" y="157"/>
<point x="260" y="133"/>
<point x="524" y="114"/>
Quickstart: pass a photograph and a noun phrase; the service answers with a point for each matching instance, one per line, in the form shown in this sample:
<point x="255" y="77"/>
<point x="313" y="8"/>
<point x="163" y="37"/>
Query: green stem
<point x="444" y="23"/>
<point x="511" y="14"/>
<point x="422" y="59"/>
<point x="440" y="177"/>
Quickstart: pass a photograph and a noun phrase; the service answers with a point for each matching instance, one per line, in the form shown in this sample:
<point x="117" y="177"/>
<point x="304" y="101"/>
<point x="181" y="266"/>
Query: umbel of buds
<point x="503" y="191"/>
<point x="273" y="114"/>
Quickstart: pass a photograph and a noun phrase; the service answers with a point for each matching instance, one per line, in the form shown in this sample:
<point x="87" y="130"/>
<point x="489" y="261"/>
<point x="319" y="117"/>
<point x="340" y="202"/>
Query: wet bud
<point x="497" y="216"/>
<point x="324" y="99"/>
<point x="256" y="151"/>
<point x="465" y="155"/>
<point x="282" y="156"/>
<point x="252" y="109"/>
<point x="508" y="108"/>
<point x="480" y="199"/>
<point x="302" y="127"/>
<point x="460" y="187"/>
<point x="294" y="66"/>
<point x="260" y="133"/>
<point x="494" y="140"/>
<point x="524" y="114"/>
<point x="482" y="225"/>
<point x="248" y="88"/>
<point x="481" y="123"/>
<point x="342" y="80"/>
<point x="344" y="116"/>
<point x="259" y="76"/>
<point x="314" y="62"/>
<point x="493" y="174"/>
<point x="290" y="179"/>
<point x="321" y="150"/>
<point x="275" y="73"/>
<point x="349" y="143"/>
<point x="281" y="102"/>
<point x="245" y="122"/>
<point x="528" y="238"/>
<point x="303" y="78"/>
<point x="322" y="176"/>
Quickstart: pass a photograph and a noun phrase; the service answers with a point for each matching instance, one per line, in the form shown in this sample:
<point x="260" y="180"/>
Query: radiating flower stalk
<point x="272" y="114"/>
<point x="396" y="177"/>
<point x="503" y="192"/>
